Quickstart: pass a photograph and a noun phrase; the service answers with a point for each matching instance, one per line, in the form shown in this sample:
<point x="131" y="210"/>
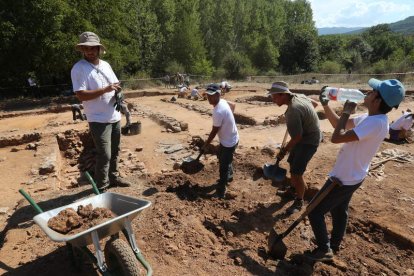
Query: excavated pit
<point x="235" y="230"/>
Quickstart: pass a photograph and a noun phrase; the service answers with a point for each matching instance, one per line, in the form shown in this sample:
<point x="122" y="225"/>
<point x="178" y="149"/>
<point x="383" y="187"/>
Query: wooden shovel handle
<point x="313" y="203"/>
<point x="284" y="139"/>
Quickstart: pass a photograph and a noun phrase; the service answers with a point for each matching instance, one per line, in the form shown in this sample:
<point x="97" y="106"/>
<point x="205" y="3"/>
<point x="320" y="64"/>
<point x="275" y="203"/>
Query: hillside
<point x="405" y="26"/>
<point x="337" y="30"/>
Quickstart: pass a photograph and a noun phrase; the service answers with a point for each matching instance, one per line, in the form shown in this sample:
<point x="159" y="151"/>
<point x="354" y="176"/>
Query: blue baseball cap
<point x="213" y="88"/>
<point x="391" y="91"/>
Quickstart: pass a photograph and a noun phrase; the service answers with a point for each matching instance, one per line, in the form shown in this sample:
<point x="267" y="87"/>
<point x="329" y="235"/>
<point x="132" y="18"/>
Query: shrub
<point x="330" y="67"/>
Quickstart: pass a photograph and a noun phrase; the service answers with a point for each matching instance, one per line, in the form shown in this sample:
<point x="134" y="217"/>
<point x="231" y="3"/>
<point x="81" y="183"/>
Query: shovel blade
<point x="274" y="172"/>
<point x="192" y="167"/>
<point x="276" y="247"/>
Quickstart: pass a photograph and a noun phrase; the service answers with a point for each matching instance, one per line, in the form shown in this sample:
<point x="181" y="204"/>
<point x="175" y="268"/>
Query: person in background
<point x="302" y="124"/>
<point x="77" y="112"/>
<point x="97" y="87"/>
<point x="399" y="128"/>
<point x="224" y="125"/>
<point x="126" y="112"/>
<point x="194" y="94"/>
<point x="361" y="137"/>
<point x="225" y="87"/>
<point x="182" y="93"/>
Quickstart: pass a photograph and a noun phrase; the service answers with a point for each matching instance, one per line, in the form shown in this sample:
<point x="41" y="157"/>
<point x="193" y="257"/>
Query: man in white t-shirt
<point x="96" y="85"/>
<point x="182" y="93"/>
<point x="225" y="127"/>
<point x="194" y="94"/>
<point x="361" y="137"/>
<point x="399" y="128"/>
<point x="225" y="87"/>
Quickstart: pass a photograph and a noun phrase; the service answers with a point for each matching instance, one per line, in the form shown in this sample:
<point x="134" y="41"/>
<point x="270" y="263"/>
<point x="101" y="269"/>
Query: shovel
<point x="274" y="172"/>
<point x="191" y="165"/>
<point x="276" y="246"/>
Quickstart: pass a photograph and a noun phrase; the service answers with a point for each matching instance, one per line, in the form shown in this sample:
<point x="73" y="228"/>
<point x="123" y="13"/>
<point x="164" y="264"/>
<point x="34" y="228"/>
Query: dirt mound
<point x="70" y="222"/>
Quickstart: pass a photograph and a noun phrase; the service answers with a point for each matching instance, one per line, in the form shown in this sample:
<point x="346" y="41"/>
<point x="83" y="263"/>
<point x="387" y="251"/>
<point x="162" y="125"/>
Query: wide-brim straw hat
<point x="279" y="87"/>
<point x="89" y="39"/>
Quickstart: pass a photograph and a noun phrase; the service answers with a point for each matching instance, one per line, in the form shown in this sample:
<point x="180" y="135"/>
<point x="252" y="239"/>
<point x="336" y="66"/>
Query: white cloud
<point x="359" y="13"/>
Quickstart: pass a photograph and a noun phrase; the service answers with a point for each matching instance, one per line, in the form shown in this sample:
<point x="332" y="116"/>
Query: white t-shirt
<point x="224" y="118"/>
<point x="85" y="76"/>
<point x="183" y="89"/>
<point x="194" y="92"/>
<point x="354" y="158"/>
<point x="403" y="122"/>
<point x="224" y="84"/>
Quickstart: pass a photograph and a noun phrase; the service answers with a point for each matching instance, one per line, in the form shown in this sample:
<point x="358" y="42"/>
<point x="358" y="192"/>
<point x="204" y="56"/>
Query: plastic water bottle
<point x="344" y="94"/>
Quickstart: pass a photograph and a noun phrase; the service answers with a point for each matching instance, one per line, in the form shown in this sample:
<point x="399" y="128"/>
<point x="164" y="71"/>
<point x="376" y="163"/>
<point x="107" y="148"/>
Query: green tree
<point x="300" y="48"/>
<point x="188" y="46"/>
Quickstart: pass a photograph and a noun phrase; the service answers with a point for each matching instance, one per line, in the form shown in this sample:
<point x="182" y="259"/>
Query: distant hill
<point x="337" y="30"/>
<point x="405" y="26"/>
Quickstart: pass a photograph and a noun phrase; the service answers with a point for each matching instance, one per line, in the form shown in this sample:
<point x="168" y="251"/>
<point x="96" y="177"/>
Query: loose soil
<point x="70" y="222"/>
<point x="186" y="231"/>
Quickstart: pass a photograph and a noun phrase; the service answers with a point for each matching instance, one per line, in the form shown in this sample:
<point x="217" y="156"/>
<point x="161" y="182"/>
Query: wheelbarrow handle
<point x="31" y="201"/>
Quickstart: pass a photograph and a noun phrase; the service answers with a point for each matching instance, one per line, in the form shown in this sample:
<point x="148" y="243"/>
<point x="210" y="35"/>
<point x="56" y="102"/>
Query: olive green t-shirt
<point x="301" y="119"/>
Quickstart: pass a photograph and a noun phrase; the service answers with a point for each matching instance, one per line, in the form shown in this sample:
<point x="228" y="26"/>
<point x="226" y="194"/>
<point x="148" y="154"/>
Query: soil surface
<point x="186" y="231"/>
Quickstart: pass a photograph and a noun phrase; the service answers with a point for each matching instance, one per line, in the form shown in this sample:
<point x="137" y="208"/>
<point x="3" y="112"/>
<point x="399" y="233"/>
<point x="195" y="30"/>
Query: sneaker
<point x="120" y="182"/>
<point x="289" y="193"/>
<point x="295" y="207"/>
<point x="319" y="255"/>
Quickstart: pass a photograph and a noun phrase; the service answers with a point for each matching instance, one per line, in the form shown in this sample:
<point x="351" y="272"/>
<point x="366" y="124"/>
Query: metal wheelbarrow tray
<point x="124" y="207"/>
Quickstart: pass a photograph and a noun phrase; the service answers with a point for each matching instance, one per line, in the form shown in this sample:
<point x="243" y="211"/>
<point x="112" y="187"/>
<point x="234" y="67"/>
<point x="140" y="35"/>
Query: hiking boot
<point x="229" y="180"/>
<point x="119" y="182"/>
<point x="320" y="255"/>
<point x="335" y="248"/>
<point x="295" y="207"/>
<point x="220" y="193"/>
<point x="103" y="188"/>
<point x="289" y="193"/>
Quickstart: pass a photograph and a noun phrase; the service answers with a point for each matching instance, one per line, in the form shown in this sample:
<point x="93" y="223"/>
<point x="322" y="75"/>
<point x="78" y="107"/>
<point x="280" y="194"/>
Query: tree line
<point x="226" y="38"/>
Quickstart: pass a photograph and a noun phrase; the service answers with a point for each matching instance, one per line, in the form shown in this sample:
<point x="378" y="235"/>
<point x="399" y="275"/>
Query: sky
<point x="359" y="13"/>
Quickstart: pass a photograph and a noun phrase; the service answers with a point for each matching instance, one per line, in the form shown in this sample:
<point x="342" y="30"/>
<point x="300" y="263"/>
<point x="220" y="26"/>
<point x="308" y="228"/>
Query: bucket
<point x="135" y="128"/>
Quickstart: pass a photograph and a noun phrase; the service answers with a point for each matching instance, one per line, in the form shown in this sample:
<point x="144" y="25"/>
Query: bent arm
<point x="293" y="142"/>
<point x="213" y="133"/>
<point x="334" y="118"/>
<point x="314" y="103"/>
<point x="86" y="95"/>
<point x="341" y="134"/>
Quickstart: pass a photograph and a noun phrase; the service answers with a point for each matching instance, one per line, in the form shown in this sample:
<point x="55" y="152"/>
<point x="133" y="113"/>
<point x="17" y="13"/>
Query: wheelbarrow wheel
<point x="120" y="258"/>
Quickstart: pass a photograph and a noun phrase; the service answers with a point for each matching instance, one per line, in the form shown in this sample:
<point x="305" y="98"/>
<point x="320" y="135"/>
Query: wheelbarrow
<point x="273" y="171"/>
<point x="118" y="258"/>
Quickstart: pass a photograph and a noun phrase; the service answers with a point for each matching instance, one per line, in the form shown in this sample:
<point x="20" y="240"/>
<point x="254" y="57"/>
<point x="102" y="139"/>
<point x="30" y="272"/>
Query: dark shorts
<point x="395" y="134"/>
<point x="299" y="158"/>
